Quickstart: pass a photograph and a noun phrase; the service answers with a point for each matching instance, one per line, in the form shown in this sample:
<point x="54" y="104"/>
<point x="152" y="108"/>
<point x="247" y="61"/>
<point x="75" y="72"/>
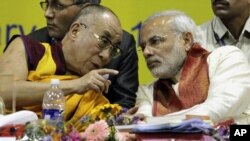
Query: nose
<point x="147" y="51"/>
<point x="49" y="13"/>
<point x="105" y="55"/>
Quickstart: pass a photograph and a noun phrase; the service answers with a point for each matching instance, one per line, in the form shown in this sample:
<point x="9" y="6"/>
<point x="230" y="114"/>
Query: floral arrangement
<point x="98" y="126"/>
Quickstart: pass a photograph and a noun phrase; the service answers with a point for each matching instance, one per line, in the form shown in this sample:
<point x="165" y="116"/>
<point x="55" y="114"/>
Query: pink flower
<point x="125" y="136"/>
<point x="75" y="136"/>
<point x="98" y="131"/>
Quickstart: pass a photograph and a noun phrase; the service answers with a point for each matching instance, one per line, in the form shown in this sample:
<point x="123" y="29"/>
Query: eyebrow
<point x="157" y="36"/>
<point x="153" y="37"/>
<point x="108" y="35"/>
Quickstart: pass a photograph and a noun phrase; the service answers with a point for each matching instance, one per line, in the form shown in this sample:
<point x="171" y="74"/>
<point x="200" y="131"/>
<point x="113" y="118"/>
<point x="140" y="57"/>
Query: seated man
<point x="59" y="14"/>
<point x="191" y="80"/>
<point x="88" y="45"/>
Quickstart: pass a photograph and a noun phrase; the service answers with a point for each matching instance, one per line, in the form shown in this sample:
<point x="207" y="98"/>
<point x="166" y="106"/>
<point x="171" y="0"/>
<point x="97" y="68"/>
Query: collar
<point x="247" y="26"/>
<point x="221" y="30"/>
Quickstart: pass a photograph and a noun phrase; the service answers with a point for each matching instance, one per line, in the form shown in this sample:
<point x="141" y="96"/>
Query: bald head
<point x="93" y="37"/>
<point x="94" y="10"/>
<point x="97" y="17"/>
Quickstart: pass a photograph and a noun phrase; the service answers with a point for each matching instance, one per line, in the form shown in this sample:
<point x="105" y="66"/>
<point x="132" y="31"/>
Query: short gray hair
<point x="180" y="22"/>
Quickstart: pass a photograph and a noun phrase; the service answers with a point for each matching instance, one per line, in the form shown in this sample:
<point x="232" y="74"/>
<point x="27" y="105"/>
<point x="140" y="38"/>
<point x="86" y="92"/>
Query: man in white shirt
<point x="230" y="26"/>
<point x="191" y="80"/>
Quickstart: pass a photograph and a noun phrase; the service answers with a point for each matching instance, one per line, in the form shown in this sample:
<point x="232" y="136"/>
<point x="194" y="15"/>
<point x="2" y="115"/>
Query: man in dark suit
<point x="59" y="14"/>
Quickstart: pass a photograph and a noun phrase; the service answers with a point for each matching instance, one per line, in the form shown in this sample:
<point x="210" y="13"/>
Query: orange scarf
<point x="193" y="85"/>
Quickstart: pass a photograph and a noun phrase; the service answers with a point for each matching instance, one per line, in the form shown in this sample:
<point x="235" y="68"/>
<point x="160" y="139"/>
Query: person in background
<point x="230" y="26"/>
<point x="77" y="60"/>
<point x="59" y="15"/>
<point x="190" y="80"/>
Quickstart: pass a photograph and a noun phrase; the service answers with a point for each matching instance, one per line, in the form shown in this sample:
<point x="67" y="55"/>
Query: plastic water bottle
<point x="53" y="102"/>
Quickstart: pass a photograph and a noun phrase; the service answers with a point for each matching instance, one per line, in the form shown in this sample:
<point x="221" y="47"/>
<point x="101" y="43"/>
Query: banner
<point x="25" y="16"/>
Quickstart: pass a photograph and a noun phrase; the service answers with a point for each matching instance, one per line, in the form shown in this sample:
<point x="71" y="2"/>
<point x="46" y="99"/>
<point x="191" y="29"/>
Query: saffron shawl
<point x="193" y="85"/>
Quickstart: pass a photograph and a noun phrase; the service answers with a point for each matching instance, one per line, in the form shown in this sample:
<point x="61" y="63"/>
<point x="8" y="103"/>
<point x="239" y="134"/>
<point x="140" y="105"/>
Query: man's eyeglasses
<point x="104" y="43"/>
<point x="153" y="42"/>
<point x="56" y="5"/>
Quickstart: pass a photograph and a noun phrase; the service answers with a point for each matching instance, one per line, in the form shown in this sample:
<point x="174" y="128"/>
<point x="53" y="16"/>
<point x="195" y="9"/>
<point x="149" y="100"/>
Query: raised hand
<point x="95" y="80"/>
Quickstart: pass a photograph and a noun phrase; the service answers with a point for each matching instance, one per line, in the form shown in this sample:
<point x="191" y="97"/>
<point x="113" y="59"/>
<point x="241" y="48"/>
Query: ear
<point x="74" y="30"/>
<point x="188" y="40"/>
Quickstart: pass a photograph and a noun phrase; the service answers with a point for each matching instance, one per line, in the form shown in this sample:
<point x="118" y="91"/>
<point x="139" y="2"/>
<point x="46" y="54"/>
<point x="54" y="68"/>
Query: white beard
<point x="170" y="65"/>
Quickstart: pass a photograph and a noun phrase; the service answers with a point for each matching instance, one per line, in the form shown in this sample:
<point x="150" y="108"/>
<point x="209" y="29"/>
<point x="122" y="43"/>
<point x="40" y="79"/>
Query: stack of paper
<point x="187" y="126"/>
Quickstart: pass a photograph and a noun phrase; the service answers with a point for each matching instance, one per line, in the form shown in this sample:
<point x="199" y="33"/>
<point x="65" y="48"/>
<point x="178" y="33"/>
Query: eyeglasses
<point x="56" y="5"/>
<point x="104" y="43"/>
<point x="153" y="42"/>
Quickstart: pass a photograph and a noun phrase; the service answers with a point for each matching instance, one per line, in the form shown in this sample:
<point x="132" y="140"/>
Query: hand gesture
<point x="95" y="80"/>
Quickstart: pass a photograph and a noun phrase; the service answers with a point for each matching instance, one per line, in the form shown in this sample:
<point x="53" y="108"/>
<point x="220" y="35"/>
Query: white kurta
<point x="228" y="93"/>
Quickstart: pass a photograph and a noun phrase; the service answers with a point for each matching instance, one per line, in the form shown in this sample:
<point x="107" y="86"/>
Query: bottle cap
<point x="55" y="81"/>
